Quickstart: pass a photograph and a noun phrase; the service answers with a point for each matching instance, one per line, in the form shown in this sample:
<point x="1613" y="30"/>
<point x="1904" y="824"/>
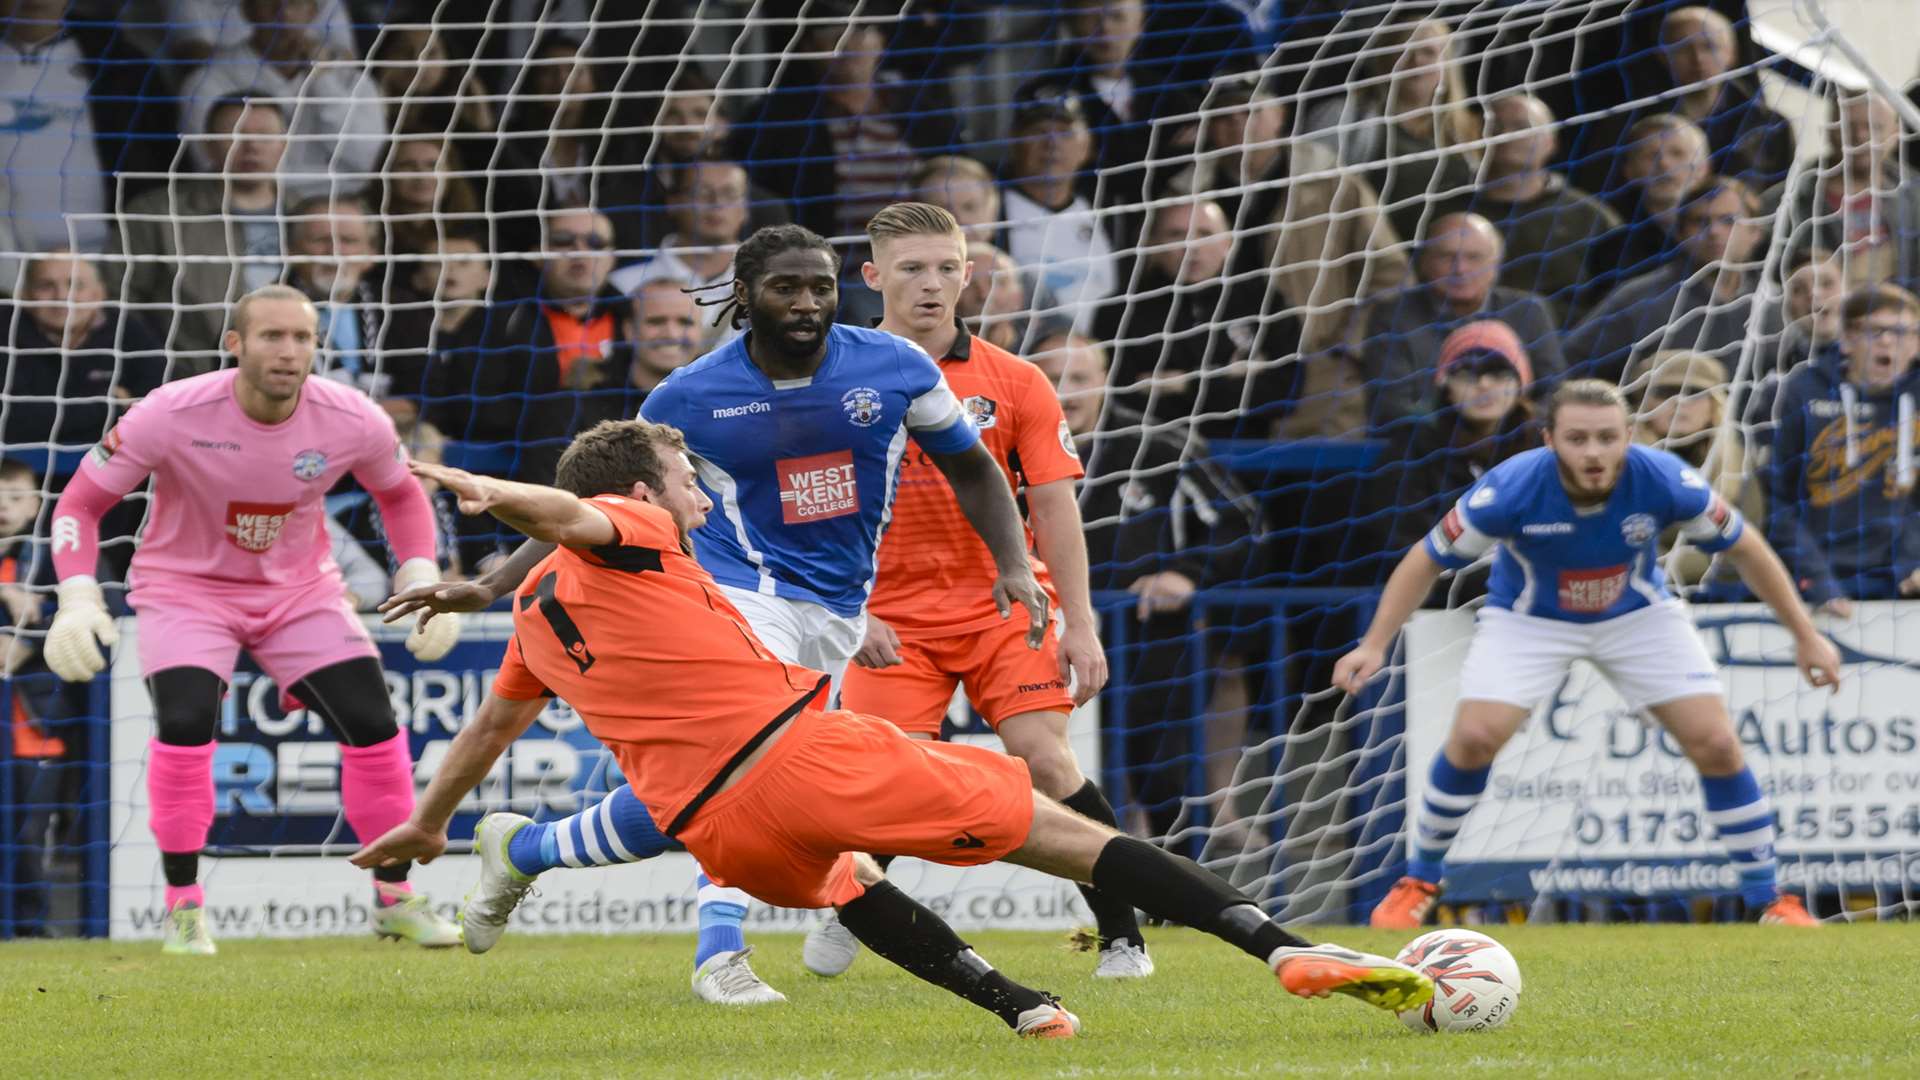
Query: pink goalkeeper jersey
<point x="236" y="501"/>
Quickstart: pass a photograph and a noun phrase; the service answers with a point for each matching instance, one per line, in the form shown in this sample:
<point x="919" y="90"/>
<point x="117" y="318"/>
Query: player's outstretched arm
<point x="981" y="490"/>
<point x="451" y="597"/>
<point x="1412" y="580"/>
<point x="1767" y="576"/>
<point x="542" y="513"/>
<point x="472" y="753"/>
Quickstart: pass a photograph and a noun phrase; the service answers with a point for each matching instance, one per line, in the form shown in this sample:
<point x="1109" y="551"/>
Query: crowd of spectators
<point x="507" y="248"/>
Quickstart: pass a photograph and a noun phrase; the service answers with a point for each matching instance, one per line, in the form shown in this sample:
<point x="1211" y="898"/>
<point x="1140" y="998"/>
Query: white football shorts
<point x="1651" y="656"/>
<point x="800" y="631"/>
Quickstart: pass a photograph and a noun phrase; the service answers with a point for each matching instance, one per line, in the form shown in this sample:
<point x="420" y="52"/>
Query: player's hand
<point x="1352" y="672"/>
<point x="430" y="639"/>
<point x="1021" y="587"/>
<point x="880" y="647"/>
<point x="1819" y="661"/>
<point x="1083" y="663"/>
<point x="1168" y="590"/>
<point x="80" y="628"/>
<point x="436" y="598"/>
<point x="1910" y="586"/>
<point x="476" y="494"/>
<point x="1842" y="608"/>
<point x="405" y="841"/>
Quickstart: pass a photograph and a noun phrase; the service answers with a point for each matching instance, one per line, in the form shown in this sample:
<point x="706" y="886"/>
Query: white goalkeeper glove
<point x="434" y="640"/>
<point x="79" y="629"/>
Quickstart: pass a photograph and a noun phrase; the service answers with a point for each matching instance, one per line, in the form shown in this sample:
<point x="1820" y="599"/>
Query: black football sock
<point x="392" y="875"/>
<point x="1114" y="916"/>
<point x="182" y="869"/>
<point x="896" y="927"/>
<point x="1178" y="890"/>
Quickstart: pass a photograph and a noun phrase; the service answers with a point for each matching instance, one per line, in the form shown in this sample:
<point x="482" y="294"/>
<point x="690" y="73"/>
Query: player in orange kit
<point x="730" y="749"/>
<point x="931" y="623"/>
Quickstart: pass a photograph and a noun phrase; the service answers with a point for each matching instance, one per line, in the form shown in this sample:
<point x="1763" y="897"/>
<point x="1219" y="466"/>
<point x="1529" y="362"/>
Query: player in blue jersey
<point x="1574" y="527"/>
<point x="796" y="429"/>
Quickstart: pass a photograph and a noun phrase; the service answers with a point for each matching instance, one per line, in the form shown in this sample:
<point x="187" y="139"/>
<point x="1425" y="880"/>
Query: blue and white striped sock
<point x="1743" y="816"/>
<point x="615" y="830"/>
<point x="722" y="910"/>
<point x="1451" y="793"/>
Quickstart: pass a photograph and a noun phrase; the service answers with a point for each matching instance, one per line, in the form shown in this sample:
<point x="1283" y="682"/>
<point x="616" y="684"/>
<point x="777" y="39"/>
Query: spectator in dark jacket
<point x="1862" y="204"/>
<point x="1841" y="485"/>
<point x="1190" y="353"/>
<point x="841" y="138"/>
<point x="1746" y="138"/>
<point x="1702" y="302"/>
<point x="73" y="362"/>
<point x="1549" y="227"/>
<point x="1161" y="524"/>
<point x="516" y="391"/>
<point x="1663" y="158"/>
<point x="1458" y="265"/>
<point x="1480" y="417"/>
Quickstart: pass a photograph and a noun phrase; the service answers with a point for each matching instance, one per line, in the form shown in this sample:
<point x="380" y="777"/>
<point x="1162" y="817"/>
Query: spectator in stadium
<point x="692" y="126"/>
<point x="663" y="326"/>
<point x="1052" y="229"/>
<point x="995" y="299"/>
<point x="532" y="347"/>
<point x="1701" y="301"/>
<point x="1480" y="417"/>
<point x="434" y="325"/>
<point x="422" y="197"/>
<point x="72" y="360"/>
<point x="1682" y="399"/>
<point x="1406" y="121"/>
<point x="710" y="214"/>
<point x="555" y="123"/>
<point x="1190" y="354"/>
<point x="1459" y="264"/>
<point x="331" y="248"/>
<point x="233" y="215"/>
<point x="1745" y="138"/>
<point x="1161" y="523"/>
<point x="1308" y="234"/>
<point x="1094" y="69"/>
<point x="197" y="29"/>
<point x="1842" y="478"/>
<point x="42" y="764"/>
<point x="1861" y="204"/>
<point x="1665" y="157"/>
<point x="337" y="123"/>
<point x="1549" y="227"/>
<point x="840" y="137"/>
<point x="416" y="78"/>
<point x="79" y="118"/>
<point x="1810" y="313"/>
<point x="964" y="188"/>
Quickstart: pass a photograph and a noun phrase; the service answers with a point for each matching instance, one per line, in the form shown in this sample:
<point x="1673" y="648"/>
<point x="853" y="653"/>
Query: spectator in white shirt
<point x="1052" y="231"/>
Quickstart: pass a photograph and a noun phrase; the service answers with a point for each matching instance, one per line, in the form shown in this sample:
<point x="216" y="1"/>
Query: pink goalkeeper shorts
<point x="291" y="633"/>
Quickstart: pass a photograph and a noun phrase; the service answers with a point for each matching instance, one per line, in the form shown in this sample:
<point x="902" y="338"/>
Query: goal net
<point x="1301" y="271"/>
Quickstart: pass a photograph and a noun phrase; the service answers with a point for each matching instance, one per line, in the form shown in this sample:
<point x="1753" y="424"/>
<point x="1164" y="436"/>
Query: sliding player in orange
<point x="931" y="623"/>
<point x="731" y="749"/>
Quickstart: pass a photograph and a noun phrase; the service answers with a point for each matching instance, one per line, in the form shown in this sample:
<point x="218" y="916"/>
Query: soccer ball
<point x="1476" y="982"/>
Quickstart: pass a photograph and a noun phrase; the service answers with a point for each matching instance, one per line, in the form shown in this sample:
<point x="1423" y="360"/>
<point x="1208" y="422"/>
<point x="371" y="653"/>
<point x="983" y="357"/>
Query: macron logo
<point x="748" y="409"/>
<point x="66" y="535"/>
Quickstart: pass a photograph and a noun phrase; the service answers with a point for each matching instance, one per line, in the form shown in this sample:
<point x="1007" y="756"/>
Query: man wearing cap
<point x="1479" y="417"/>
<point x="1459" y="264"/>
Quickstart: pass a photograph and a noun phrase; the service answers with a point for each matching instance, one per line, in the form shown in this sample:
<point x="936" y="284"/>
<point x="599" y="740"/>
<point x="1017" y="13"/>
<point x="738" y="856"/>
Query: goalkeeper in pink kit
<point x="236" y="556"/>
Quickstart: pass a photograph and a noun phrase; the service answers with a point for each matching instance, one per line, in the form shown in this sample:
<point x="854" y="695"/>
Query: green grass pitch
<point x="1726" y="1001"/>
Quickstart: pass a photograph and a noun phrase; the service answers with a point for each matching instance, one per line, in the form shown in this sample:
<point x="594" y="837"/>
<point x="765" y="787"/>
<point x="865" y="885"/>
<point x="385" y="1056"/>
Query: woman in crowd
<point x="1683" y="401"/>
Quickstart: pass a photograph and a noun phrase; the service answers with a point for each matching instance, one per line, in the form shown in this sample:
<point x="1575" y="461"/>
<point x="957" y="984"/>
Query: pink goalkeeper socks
<point x="179" y="795"/>
<point x="376" y="786"/>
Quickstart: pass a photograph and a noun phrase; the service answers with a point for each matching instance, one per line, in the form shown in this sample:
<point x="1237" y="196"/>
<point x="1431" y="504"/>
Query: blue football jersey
<point x="802" y="472"/>
<point x="1556" y="562"/>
